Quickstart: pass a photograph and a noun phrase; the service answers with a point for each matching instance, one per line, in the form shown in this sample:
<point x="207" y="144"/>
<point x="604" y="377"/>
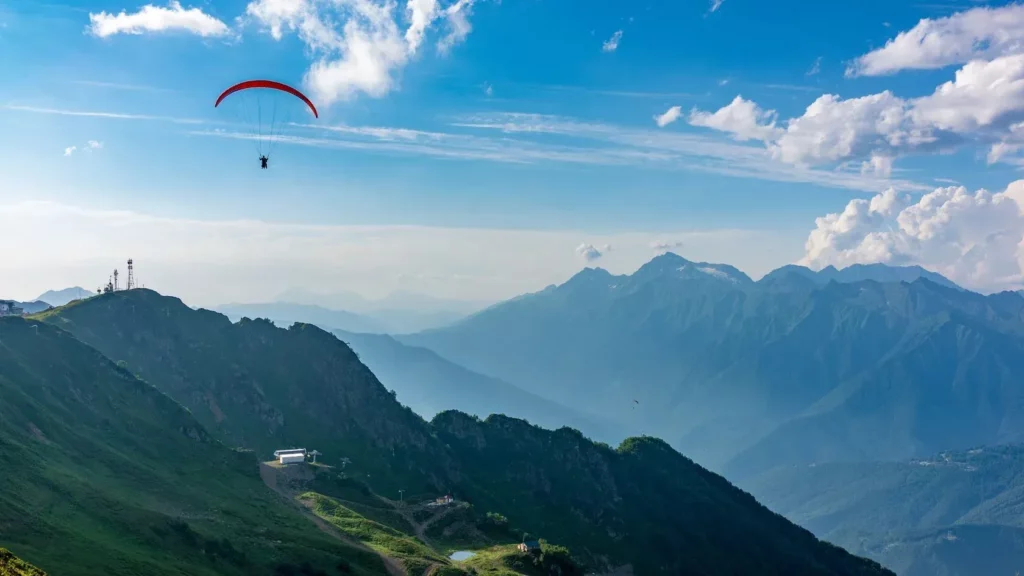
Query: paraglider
<point x="258" y="94"/>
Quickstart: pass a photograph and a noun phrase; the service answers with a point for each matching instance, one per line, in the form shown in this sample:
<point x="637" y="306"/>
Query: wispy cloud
<point x="612" y="44"/>
<point x="95" y="114"/>
<point x="118" y="86"/>
<point x="670" y="116"/>
<point x="815" y="68"/>
<point x="70" y="150"/>
<point x="715" y="5"/>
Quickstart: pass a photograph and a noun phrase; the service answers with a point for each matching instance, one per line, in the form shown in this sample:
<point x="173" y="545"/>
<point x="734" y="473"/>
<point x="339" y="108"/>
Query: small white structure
<point x="292" y="456"/>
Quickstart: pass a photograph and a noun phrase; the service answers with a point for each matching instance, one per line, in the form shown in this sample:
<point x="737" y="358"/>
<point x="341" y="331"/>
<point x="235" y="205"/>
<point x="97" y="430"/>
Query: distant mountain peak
<point x="672" y="265"/>
<point x="62" y="297"/>
<point x="877" y="272"/>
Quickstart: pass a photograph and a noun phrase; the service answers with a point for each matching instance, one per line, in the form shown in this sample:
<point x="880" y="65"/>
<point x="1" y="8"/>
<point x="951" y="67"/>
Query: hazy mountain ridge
<point x="62" y="297"/>
<point x="780" y="368"/>
<point x="957" y="513"/>
<point x="371" y="322"/>
<point x="263" y="386"/>
<point x="430" y="384"/>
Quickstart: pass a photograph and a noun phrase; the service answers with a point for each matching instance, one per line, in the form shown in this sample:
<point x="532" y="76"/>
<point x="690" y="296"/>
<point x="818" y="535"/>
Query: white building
<point x="291" y="456"/>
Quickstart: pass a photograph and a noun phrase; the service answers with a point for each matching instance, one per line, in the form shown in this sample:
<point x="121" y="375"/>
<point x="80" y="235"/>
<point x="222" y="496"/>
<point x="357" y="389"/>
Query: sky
<point x="480" y="149"/>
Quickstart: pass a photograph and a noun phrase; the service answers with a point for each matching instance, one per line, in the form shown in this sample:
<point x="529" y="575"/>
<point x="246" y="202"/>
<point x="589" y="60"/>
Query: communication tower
<point x="131" y="275"/>
<point x="115" y="280"/>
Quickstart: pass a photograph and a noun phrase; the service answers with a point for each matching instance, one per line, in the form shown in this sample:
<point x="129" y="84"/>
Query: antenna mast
<point x="131" y="275"/>
<point x="115" y="280"/>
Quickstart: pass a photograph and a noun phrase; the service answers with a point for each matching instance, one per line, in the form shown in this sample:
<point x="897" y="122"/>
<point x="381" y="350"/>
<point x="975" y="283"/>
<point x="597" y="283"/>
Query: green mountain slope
<point x="643" y="504"/>
<point x="264" y="387"/>
<point x="742" y="376"/>
<point x="952" y="514"/>
<point x="101" y="474"/>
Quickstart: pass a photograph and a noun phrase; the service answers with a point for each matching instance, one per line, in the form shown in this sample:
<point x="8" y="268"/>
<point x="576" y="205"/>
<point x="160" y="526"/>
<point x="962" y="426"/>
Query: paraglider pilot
<point x="263" y="162"/>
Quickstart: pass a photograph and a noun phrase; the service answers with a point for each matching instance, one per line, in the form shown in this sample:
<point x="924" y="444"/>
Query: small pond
<point x="462" y="555"/>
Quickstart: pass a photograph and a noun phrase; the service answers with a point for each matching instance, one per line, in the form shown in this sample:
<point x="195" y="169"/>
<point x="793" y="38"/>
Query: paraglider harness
<point x="263" y="162"/>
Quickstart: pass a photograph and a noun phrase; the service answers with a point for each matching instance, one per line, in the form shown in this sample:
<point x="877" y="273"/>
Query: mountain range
<point x="744" y="376"/>
<point x="430" y="385"/>
<point x="131" y="428"/>
<point x="953" y="514"/>
<point x="385" y="321"/>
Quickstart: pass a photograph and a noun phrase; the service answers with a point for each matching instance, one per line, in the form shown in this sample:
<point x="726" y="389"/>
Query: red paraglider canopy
<point x="267" y="84"/>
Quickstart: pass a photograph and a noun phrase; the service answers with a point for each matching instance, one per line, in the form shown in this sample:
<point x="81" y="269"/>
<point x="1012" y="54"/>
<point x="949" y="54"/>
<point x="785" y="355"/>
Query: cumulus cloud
<point x="151" y="18"/>
<point x="741" y="118"/>
<point x="974" y="239"/>
<point x="878" y="165"/>
<point x="670" y="116"/>
<point x="70" y="150"/>
<point x="589" y="252"/>
<point x="983" y="95"/>
<point x="973" y="34"/>
<point x="662" y="246"/>
<point x="94" y="144"/>
<point x="612" y="44"/>
<point x="359" y="45"/>
<point x="983" y="105"/>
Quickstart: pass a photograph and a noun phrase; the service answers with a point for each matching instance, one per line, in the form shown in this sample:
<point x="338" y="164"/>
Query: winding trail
<point x="269" y="475"/>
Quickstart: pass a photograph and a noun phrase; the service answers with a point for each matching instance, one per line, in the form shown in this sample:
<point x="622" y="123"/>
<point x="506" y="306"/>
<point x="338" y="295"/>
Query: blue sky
<point x="529" y="123"/>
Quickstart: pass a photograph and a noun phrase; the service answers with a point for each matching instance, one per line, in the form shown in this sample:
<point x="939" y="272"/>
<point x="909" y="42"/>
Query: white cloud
<point x="715" y="5"/>
<point x="612" y="44"/>
<point x="151" y="18"/>
<point x="589" y="252"/>
<point x="213" y="262"/>
<point x="974" y="239"/>
<point x="815" y="68"/>
<point x="833" y="129"/>
<point x="358" y="45"/>
<point x="662" y="246"/>
<point x="741" y="118"/>
<point x="94" y="144"/>
<point x="670" y="116"/>
<point x="983" y="95"/>
<point x="70" y="150"/>
<point x="977" y="33"/>
<point x="457" y="17"/>
<point x="879" y="165"/>
<point x="488" y="89"/>
<point x="421" y="14"/>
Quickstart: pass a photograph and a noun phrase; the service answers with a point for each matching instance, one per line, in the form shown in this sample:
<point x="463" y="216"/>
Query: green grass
<point x="11" y="565"/>
<point x="103" y="475"/>
<point x="509" y="561"/>
<point x="413" y="554"/>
